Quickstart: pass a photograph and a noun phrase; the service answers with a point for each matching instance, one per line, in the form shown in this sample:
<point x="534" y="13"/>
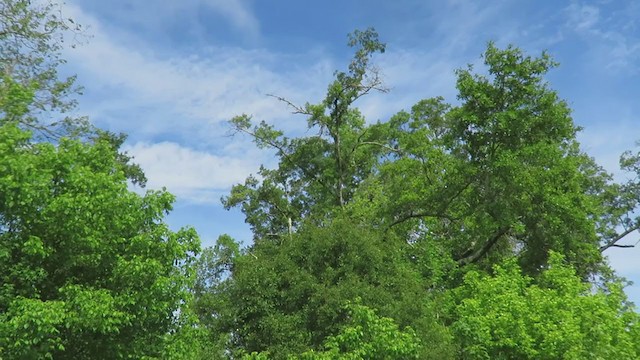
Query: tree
<point x="499" y="175"/>
<point x="88" y="269"/>
<point x="212" y="302"/>
<point x="512" y="316"/>
<point x="32" y="36"/>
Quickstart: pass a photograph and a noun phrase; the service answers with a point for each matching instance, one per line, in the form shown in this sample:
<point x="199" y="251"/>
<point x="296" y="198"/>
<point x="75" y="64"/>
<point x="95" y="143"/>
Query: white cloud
<point x="194" y="176"/>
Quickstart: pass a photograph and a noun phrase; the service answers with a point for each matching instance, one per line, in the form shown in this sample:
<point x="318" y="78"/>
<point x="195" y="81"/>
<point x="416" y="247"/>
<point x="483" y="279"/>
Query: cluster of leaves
<point x="512" y="316"/>
<point x="557" y="316"/>
<point x="364" y="336"/>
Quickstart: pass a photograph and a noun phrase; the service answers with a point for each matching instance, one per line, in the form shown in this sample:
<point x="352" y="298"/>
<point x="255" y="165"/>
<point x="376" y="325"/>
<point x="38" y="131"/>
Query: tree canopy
<point x="409" y="213"/>
<point x="466" y="230"/>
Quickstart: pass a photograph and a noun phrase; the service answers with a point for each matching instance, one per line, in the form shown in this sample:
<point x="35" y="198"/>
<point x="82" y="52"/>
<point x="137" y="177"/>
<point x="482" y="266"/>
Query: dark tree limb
<point x="478" y="254"/>
<point x="418" y="215"/>
<point x="623" y="246"/>
<point x="441" y="214"/>
<point x="375" y="143"/>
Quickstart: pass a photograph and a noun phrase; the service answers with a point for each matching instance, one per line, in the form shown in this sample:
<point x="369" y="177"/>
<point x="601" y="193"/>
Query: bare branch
<point x="374" y="84"/>
<point x="612" y="242"/>
<point x="296" y="108"/>
<point x="622" y="246"/>
<point x="353" y="149"/>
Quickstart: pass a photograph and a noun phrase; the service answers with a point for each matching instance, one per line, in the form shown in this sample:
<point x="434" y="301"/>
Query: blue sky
<point x="170" y="73"/>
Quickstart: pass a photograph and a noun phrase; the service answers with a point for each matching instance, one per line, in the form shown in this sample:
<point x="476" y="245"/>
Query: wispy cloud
<point x="193" y="90"/>
<point x="614" y="39"/>
<point x="582" y="17"/>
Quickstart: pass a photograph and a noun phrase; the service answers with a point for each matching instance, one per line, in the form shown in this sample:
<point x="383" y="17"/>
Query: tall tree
<point x="312" y="244"/>
<point x="318" y="173"/>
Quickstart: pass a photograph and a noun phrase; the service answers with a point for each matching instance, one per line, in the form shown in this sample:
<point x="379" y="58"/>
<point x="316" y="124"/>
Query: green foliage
<point x="212" y="302"/>
<point x="132" y="171"/>
<point x="15" y="99"/>
<point x="87" y="267"/>
<point x="501" y="174"/>
<point x="557" y="316"/>
<point x="30" y="329"/>
<point x="365" y="335"/>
